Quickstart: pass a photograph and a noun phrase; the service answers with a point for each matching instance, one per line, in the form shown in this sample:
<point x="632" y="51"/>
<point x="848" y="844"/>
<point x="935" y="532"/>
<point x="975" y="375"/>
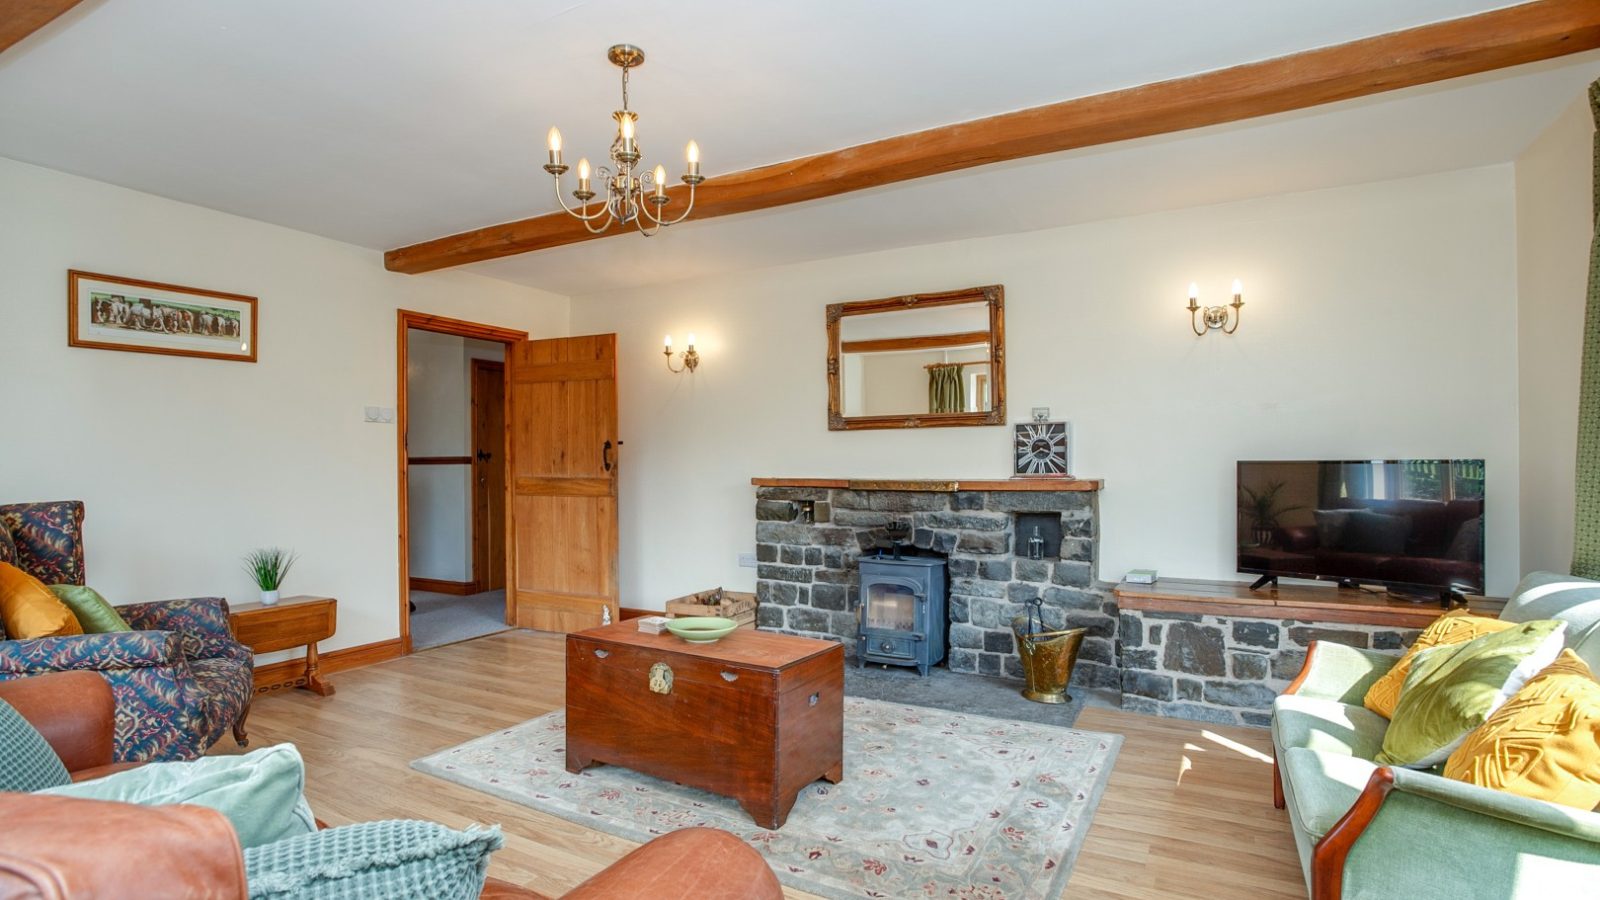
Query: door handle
<point x="605" y="456"/>
<point x="484" y="455"/>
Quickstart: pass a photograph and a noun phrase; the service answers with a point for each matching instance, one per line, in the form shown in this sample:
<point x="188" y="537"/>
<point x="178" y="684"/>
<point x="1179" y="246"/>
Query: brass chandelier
<point x="637" y="198"/>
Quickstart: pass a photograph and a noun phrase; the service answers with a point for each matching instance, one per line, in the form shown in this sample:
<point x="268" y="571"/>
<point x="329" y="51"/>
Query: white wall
<point x="1380" y="322"/>
<point x="439" y="376"/>
<point x="289" y="459"/>
<point x="1555" y="223"/>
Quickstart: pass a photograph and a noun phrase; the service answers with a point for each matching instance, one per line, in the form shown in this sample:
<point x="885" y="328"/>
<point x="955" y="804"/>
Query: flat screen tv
<point x="1414" y="526"/>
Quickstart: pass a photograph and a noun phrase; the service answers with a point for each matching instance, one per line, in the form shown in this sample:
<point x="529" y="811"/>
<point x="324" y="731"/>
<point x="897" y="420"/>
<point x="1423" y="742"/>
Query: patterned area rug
<point x="933" y="804"/>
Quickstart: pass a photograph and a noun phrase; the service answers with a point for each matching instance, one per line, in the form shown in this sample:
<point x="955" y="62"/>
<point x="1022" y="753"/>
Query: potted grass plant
<point x="268" y="567"/>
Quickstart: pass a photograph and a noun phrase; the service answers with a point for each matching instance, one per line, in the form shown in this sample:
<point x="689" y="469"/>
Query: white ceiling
<point x="386" y="122"/>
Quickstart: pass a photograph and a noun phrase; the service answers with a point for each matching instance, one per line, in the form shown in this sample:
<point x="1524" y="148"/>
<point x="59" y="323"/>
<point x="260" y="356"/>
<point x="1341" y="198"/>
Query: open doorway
<point x="453" y="459"/>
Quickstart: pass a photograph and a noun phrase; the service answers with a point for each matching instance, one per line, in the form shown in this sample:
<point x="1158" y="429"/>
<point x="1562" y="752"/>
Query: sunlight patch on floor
<point x="1236" y="747"/>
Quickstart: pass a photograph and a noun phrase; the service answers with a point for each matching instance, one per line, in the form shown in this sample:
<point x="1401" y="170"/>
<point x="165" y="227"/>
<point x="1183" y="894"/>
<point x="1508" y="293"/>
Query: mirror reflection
<point x="916" y="361"/>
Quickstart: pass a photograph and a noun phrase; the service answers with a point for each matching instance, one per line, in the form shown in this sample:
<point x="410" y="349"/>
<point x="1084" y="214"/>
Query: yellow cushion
<point x="1543" y="743"/>
<point x="1454" y="627"/>
<point x="31" y="610"/>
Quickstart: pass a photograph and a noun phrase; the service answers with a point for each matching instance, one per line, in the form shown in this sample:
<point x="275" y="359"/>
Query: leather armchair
<point x="76" y="712"/>
<point x="46" y="852"/>
<point x="58" y="848"/>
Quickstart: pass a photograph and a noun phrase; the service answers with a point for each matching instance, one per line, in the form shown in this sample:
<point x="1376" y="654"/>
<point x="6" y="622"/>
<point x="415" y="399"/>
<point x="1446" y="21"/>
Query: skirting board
<point x="285" y="673"/>
<point x="437" y="586"/>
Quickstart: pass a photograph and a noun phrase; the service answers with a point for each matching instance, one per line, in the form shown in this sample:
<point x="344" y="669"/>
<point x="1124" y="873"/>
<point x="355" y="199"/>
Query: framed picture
<point x="106" y="312"/>
<point x="1039" y="449"/>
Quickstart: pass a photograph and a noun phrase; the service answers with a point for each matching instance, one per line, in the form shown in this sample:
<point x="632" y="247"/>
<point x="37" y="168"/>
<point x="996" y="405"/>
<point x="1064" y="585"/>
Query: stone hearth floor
<point x="978" y="694"/>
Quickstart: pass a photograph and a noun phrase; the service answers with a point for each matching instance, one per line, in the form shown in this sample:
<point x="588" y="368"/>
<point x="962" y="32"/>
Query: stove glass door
<point x="891" y="607"/>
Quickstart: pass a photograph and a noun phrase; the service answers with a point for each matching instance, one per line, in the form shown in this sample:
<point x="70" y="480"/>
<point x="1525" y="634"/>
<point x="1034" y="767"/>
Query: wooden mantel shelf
<point x="938" y="486"/>
<point x="1309" y="603"/>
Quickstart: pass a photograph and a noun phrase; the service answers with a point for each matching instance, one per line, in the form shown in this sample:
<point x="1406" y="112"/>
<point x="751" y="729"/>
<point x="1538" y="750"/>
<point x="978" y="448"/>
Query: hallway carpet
<point x="446" y="618"/>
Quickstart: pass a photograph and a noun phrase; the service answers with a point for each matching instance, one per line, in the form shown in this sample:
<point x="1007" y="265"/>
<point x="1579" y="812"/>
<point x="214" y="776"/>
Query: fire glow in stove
<point x="902" y="611"/>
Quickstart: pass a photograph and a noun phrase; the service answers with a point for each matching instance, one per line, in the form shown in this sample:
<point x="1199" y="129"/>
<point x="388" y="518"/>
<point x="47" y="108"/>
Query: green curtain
<point x="945" y="391"/>
<point x="1586" y="541"/>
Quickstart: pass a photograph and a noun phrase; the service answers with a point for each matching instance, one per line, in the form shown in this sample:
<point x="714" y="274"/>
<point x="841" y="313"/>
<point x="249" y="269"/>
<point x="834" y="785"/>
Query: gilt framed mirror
<point x="918" y="361"/>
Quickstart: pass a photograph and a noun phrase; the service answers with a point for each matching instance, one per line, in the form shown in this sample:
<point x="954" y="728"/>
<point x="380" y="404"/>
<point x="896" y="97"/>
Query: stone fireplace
<point x="812" y="533"/>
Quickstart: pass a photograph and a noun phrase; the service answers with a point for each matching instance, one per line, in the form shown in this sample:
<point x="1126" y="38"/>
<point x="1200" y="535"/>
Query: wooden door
<point x="488" y="475"/>
<point x="563" y="428"/>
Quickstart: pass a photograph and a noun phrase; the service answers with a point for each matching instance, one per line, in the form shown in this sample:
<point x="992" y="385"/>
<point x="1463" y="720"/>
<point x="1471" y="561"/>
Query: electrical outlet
<point x="747" y="560"/>
<point x="382" y="415"/>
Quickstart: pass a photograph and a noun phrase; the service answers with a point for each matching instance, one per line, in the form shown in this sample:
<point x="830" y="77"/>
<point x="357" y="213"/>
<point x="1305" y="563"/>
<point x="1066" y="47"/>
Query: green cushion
<point x="27" y="762"/>
<point x="1452" y="689"/>
<point x="1324" y="786"/>
<point x="374" y="861"/>
<point x="91" y="610"/>
<point x="1566" y="598"/>
<point x="1327" y="725"/>
<point x="262" y="793"/>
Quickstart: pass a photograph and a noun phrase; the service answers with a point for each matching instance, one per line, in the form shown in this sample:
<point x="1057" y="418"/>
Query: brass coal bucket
<point x="1047" y="658"/>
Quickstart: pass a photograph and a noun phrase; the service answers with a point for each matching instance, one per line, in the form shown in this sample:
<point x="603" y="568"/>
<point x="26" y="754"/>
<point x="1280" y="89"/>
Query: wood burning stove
<point x="902" y="611"/>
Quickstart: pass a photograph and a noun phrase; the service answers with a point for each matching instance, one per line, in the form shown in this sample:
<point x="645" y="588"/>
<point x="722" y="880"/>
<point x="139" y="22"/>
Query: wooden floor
<point x="1188" y="812"/>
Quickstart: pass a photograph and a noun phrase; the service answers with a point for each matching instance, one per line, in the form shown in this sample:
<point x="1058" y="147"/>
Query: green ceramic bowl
<point x="702" y="629"/>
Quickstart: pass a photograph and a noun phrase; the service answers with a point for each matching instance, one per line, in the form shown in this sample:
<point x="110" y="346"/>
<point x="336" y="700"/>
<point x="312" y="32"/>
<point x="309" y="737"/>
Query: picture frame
<point x="1041" y="450"/>
<point x="111" y="312"/>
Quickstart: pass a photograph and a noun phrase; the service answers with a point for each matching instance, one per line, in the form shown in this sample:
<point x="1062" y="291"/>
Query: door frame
<point x="483" y="500"/>
<point x="407" y="319"/>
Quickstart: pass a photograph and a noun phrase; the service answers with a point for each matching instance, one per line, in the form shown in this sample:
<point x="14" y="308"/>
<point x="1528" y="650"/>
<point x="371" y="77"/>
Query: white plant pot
<point x="269" y="598"/>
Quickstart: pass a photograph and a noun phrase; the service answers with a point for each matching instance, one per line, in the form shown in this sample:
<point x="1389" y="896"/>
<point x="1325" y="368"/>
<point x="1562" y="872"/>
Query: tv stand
<point x="1265" y="581"/>
<point x="1448" y="598"/>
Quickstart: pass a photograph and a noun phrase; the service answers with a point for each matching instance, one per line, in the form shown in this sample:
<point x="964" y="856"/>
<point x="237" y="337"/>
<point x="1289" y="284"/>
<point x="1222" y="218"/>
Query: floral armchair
<point x="180" y="679"/>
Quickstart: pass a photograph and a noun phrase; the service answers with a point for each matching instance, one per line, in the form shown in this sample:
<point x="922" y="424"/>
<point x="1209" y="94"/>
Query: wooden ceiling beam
<point x="20" y="18"/>
<point x="1429" y="53"/>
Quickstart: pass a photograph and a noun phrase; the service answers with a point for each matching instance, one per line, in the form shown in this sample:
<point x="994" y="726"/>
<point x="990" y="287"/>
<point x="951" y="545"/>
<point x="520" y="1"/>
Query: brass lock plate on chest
<point x="661" y="678"/>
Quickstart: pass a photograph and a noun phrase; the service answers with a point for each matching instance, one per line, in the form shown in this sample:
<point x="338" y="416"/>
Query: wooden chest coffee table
<point x="755" y="716"/>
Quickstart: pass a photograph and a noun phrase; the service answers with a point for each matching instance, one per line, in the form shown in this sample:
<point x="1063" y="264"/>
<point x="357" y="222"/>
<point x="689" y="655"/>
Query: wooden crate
<point x="736" y="605"/>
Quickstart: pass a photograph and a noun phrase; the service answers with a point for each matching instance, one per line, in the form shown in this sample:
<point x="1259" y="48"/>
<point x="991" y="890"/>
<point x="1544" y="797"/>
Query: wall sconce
<point x="1215" y="316"/>
<point x="691" y="359"/>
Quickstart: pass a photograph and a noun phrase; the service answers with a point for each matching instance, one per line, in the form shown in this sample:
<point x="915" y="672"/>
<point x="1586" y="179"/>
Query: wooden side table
<point x="289" y="623"/>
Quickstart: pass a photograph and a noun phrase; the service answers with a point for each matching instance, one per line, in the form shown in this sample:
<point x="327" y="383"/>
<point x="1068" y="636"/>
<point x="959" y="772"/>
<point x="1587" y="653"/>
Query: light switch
<point x="747" y="560"/>
<point x="372" y="414"/>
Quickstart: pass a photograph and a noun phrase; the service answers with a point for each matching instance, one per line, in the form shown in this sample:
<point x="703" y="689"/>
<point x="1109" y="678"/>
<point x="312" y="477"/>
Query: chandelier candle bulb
<point x="691" y="340"/>
<point x="661" y="181"/>
<point x="555" y="147"/>
<point x="692" y="153"/>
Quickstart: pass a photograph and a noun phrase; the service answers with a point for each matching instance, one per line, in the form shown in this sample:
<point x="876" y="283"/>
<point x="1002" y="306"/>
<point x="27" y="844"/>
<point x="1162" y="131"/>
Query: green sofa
<point x="1370" y="831"/>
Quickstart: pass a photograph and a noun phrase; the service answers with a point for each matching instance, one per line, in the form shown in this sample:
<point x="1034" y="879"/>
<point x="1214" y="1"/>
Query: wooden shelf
<point x="1311" y="603"/>
<point x="939" y="486"/>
